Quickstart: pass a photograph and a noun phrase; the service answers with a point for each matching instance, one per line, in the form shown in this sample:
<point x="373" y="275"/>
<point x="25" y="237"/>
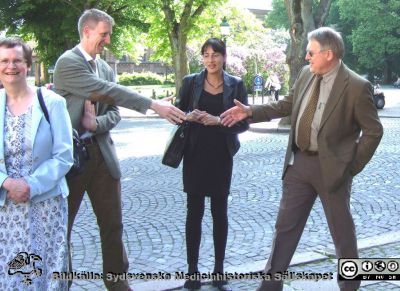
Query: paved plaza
<point x="154" y="209"/>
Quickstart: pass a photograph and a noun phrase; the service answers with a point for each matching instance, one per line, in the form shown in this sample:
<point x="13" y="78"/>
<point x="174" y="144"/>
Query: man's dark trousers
<point x="104" y="192"/>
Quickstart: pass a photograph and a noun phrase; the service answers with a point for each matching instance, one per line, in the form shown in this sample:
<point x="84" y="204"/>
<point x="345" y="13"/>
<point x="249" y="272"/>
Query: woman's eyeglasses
<point x="16" y="63"/>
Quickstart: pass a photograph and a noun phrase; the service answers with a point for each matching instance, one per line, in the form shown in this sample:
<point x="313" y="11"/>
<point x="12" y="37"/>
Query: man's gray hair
<point x="329" y="39"/>
<point x="92" y="17"/>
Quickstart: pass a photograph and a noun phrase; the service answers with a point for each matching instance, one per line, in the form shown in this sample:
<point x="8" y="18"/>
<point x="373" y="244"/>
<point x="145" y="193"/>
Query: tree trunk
<point x="387" y="72"/>
<point x="177" y="33"/>
<point x="179" y="58"/>
<point x="37" y="74"/>
<point x="302" y="20"/>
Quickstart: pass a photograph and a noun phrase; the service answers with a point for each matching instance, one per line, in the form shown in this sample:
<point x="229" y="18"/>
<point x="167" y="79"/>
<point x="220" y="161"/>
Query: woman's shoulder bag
<point x="80" y="152"/>
<point x="177" y="140"/>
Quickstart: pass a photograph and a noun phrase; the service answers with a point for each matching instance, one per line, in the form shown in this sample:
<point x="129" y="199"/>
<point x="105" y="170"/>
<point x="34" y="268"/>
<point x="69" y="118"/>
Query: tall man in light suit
<point x="82" y="79"/>
<point x="323" y="157"/>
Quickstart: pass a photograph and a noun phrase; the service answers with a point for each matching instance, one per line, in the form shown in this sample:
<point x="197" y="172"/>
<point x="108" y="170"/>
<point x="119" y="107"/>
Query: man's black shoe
<point x="222" y="285"/>
<point x="192" y="285"/>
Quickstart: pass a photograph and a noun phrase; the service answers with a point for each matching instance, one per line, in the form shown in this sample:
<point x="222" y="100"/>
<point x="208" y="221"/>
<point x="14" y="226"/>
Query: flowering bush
<point x="246" y="63"/>
<point x="235" y="61"/>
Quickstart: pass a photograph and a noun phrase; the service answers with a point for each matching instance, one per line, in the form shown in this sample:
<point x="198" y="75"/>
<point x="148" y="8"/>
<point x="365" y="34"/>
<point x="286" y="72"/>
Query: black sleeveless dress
<point x="207" y="170"/>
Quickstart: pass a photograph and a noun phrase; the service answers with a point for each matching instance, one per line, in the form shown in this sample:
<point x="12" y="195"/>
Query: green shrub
<point x="136" y="79"/>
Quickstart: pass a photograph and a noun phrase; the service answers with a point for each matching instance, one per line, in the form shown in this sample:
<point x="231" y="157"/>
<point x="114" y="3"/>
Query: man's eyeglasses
<point x="16" y="63"/>
<point x="311" y="53"/>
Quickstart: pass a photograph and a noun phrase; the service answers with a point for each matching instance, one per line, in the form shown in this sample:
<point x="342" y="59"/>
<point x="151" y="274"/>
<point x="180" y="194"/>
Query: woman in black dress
<point x="208" y="158"/>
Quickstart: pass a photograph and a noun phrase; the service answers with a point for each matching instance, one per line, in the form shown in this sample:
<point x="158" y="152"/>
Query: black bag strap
<point x="190" y="95"/>
<point x="42" y="104"/>
<point x="191" y="101"/>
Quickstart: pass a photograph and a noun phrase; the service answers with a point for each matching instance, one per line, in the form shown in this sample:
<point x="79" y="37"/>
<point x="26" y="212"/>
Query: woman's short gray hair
<point x="328" y="38"/>
<point x="92" y="17"/>
<point x="14" y="41"/>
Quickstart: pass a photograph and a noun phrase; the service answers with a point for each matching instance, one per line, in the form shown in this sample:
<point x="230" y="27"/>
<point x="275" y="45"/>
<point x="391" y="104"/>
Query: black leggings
<point x="195" y="212"/>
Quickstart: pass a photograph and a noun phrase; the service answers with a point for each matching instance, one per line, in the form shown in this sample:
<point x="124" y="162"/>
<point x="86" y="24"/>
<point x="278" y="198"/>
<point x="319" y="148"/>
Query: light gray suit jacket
<point x="349" y="112"/>
<point x="75" y="80"/>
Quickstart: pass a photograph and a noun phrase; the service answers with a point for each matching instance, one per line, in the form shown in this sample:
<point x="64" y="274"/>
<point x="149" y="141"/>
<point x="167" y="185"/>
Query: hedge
<point x="137" y="79"/>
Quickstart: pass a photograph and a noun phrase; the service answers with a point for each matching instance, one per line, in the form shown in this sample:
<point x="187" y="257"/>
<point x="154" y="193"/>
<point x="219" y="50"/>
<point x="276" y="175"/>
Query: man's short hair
<point x="328" y="38"/>
<point x="92" y="17"/>
<point x="11" y="42"/>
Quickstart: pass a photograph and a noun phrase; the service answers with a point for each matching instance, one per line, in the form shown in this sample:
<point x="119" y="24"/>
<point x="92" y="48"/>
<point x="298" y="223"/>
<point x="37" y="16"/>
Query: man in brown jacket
<point x="334" y="133"/>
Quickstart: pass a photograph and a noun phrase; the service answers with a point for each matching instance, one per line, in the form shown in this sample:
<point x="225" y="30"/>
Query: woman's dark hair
<point x="217" y="45"/>
<point x="11" y="42"/>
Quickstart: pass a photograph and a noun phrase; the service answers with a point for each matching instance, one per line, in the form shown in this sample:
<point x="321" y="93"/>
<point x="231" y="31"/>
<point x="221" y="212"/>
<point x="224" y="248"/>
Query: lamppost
<point x="225" y="29"/>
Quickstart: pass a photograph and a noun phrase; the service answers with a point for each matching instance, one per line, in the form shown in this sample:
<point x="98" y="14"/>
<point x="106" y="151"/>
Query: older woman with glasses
<point x="35" y="155"/>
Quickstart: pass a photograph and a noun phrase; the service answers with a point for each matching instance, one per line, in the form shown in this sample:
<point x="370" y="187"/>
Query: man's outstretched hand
<point x="235" y="114"/>
<point x="168" y="111"/>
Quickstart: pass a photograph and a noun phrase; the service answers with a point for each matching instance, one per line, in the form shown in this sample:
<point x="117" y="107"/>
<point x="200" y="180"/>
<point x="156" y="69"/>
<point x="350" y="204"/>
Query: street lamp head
<point x="225" y="28"/>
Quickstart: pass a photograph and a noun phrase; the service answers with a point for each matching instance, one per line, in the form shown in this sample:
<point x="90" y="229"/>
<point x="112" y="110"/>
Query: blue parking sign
<point x="258" y="83"/>
<point x="258" y="80"/>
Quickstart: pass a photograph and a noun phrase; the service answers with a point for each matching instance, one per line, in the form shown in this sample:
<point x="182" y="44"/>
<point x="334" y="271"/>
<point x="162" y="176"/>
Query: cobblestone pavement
<point x="154" y="209"/>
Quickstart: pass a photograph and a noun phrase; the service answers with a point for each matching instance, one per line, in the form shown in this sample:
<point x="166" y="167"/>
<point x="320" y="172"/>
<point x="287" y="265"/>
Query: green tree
<point x="345" y="28"/>
<point x="375" y="34"/>
<point x="53" y="23"/>
<point x="278" y="17"/>
<point x="173" y="24"/>
<point x="169" y="23"/>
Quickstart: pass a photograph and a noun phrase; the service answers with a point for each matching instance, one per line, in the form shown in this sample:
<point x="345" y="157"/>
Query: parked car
<point x="379" y="97"/>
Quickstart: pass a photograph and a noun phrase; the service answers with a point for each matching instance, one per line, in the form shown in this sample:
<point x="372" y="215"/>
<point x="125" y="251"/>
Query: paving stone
<point x="154" y="209"/>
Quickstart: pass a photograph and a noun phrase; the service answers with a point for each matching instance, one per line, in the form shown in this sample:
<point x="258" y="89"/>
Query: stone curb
<point x="298" y="259"/>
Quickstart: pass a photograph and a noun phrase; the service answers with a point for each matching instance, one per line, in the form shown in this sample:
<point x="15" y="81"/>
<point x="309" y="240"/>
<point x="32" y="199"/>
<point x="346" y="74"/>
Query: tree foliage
<point x="53" y="23"/>
<point x="375" y="34"/>
<point x="173" y="24"/>
<point x="370" y="30"/>
<point x="169" y="24"/>
<point x="278" y="17"/>
<point x="334" y="20"/>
